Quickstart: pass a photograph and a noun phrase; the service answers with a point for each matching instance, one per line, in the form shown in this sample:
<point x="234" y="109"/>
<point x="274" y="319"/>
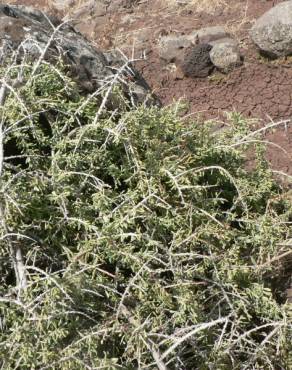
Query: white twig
<point x="198" y="328"/>
<point x="15" y="250"/>
<point x="149" y="344"/>
<point x="46" y="48"/>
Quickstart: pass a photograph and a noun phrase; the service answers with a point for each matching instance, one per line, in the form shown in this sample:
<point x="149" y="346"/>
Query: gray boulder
<point x="32" y="33"/>
<point x="272" y="32"/>
<point x="225" y="55"/>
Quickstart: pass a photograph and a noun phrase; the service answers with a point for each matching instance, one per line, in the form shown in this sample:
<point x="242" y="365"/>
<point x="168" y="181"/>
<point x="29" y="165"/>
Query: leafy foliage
<point x="147" y="243"/>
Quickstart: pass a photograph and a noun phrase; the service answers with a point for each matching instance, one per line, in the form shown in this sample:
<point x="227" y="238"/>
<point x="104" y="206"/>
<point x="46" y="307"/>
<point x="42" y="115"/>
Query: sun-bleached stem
<point x="154" y="352"/>
<point x="15" y="249"/>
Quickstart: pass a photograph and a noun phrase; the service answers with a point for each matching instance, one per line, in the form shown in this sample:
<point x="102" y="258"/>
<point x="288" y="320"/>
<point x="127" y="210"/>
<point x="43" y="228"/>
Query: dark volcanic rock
<point x="33" y="33"/>
<point x="196" y="61"/>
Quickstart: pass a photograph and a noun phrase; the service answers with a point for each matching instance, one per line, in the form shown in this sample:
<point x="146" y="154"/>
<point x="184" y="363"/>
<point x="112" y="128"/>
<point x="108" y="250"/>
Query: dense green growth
<point x="146" y="242"/>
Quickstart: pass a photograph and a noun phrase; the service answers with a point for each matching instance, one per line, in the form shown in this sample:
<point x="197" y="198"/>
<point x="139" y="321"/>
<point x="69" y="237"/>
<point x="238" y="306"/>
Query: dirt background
<point x="260" y="89"/>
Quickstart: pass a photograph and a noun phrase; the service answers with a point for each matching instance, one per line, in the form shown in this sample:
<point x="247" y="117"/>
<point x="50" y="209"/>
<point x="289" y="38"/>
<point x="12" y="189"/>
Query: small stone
<point x="208" y="34"/>
<point x="62" y="4"/>
<point x="197" y="62"/>
<point x="171" y="47"/>
<point x="225" y="56"/>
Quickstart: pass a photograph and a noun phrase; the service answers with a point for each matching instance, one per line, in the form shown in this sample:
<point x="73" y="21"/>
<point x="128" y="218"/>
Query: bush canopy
<point x="133" y="238"/>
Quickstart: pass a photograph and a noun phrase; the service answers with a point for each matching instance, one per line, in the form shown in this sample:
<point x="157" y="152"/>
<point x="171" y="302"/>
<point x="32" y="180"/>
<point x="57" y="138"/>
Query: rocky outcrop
<point x="171" y="48"/>
<point x="33" y="33"/>
<point x="272" y="32"/>
<point x="197" y="54"/>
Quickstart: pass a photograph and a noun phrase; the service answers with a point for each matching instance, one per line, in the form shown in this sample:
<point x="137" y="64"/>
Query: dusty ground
<point x="259" y="89"/>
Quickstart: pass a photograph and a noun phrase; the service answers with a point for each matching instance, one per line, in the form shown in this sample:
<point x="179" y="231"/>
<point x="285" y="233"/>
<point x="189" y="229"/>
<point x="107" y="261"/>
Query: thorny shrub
<point x="146" y="243"/>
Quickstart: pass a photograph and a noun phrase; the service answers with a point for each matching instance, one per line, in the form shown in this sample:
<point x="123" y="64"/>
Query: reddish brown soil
<point x="259" y="89"/>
